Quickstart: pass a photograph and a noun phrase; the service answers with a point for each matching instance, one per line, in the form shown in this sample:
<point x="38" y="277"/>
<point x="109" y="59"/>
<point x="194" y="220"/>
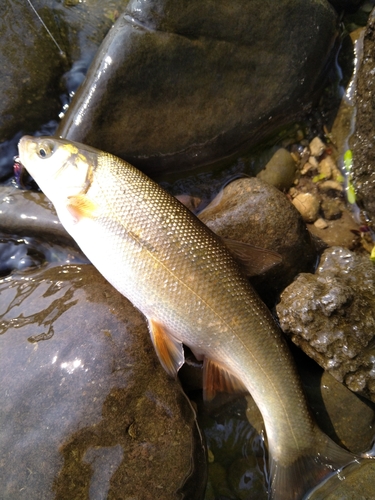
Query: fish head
<point x="61" y="169"/>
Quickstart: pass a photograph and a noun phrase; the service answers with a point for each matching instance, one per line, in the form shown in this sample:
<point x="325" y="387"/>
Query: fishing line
<point x="62" y="53"/>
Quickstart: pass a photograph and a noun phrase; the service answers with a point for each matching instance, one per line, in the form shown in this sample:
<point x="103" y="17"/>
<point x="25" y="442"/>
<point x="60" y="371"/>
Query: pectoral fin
<point x="170" y="351"/>
<point x="255" y="260"/>
<point x="80" y="206"/>
<point x="216" y="378"/>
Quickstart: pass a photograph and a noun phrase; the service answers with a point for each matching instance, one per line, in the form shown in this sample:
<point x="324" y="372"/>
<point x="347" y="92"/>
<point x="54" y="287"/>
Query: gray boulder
<point x="32" y="67"/>
<point x="86" y="410"/>
<point x="181" y="83"/>
<point x="331" y="316"/>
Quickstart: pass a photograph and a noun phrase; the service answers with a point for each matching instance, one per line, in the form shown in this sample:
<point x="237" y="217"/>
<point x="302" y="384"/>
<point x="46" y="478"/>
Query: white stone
<point x="317" y="147"/>
<point x="321" y="223"/>
<point x="307" y="205"/>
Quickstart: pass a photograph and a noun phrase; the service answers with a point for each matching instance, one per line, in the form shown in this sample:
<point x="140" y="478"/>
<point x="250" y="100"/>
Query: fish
<point x="192" y="292"/>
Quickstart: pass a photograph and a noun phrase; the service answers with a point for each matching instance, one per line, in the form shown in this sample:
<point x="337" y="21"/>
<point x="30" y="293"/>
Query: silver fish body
<point x="191" y="290"/>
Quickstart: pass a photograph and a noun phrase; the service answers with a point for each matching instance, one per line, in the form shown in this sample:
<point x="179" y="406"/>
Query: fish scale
<point x="235" y="310"/>
<point x="182" y="277"/>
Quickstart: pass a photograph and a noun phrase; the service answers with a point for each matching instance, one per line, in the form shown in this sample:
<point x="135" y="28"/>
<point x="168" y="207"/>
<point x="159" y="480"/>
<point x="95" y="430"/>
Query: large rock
<point x="179" y="83"/>
<point x="86" y="410"/>
<point x="363" y="140"/>
<point x="331" y="316"/>
<point x="32" y="67"/>
<point x="30" y="213"/>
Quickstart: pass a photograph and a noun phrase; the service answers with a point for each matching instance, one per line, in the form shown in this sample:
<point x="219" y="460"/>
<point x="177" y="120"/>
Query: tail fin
<point x="300" y="479"/>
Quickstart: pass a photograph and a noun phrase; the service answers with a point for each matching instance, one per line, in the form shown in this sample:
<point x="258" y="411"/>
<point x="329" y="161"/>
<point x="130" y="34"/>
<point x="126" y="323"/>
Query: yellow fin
<point x="216" y="378"/>
<point x="81" y="206"/>
<point x="170" y="351"/>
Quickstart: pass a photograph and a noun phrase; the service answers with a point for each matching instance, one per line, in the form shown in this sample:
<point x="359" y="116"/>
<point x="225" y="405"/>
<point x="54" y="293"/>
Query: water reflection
<point x="71" y="366"/>
<point x="237" y="455"/>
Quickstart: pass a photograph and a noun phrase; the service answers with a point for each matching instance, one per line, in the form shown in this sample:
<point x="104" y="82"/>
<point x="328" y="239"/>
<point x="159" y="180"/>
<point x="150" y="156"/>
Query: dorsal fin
<point x="255" y="260"/>
<point x="170" y="351"/>
<point x="217" y="378"/>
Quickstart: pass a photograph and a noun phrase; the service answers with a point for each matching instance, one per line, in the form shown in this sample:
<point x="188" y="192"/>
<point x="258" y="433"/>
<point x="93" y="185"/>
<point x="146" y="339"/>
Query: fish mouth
<point x="22" y="176"/>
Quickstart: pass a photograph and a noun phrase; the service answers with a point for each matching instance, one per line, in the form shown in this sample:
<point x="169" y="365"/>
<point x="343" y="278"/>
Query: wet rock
<point x="36" y="76"/>
<point x="331" y="209"/>
<point x="308" y="206"/>
<point x="18" y="253"/>
<point x="363" y="141"/>
<point x="280" y="171"/>
<point x="30" y="67"/>
<point x="331" y="316"/>
<point x="30" y="213"/>
<point x="255" y="212"/>
<point x="339" y="232"/>
<point x="23" y="253"/>
<point x="354" y="428"/>
<point x="341" y="414"/>
<point x="85" y="405"/>
<point x="354" y="483"/>
<point x="178" y="84"/>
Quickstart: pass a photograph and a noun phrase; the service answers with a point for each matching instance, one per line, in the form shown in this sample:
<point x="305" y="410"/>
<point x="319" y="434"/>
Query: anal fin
<point x="217" y="378"/>
<point x="169" y="350"/>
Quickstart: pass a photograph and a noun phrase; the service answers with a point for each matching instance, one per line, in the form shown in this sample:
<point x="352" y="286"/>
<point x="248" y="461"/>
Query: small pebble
<point x="317" y="147"/>
<point x="327" y="185"/>
<point x="280" y="170"/>
<point x="307" y="205"/>
<point x="313" y="162"/>
<point x="326" y="167"/>
<point x="320" y="223"/>
<point x="307" y="166"/>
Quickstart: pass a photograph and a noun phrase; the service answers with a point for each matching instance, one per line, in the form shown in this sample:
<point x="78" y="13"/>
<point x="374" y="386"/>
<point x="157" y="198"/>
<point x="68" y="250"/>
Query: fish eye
<point x="45" y="149"/>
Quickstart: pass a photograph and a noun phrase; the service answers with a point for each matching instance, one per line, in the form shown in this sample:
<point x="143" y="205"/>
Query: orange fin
<point x="80" y="206"/>
<point x="255" y="260"/>
<point x="170" y="351"/>
<point x="217" y="378"/>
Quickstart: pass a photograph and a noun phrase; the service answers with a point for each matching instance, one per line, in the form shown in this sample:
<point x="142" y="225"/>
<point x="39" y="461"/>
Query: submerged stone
<point x="331" y="316"/>
<point x="178" y="84"/>
<point x="86" y="410"/>
<point x="353" y="483"/>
